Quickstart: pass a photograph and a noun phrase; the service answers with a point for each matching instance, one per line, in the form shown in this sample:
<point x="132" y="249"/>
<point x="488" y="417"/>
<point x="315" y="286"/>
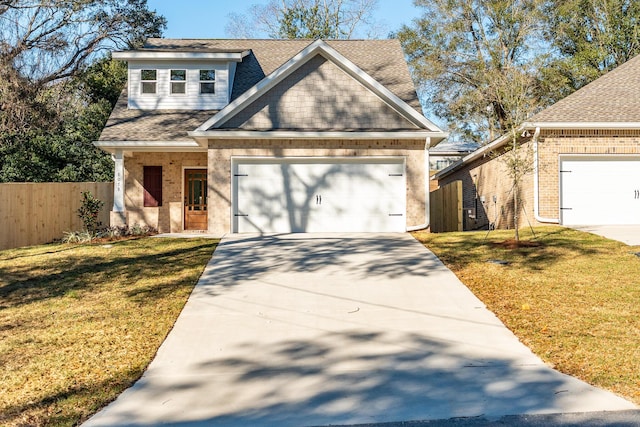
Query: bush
<point x="89" y="211"/>
<point x="77" y="237"/>
<point x="134" y="230"/>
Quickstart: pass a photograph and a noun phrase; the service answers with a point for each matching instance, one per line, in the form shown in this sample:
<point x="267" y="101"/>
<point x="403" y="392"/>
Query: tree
<point x="308" y="19"/>
<point x="457" y="50"/>
<point x="603" y="35"/>
<point x="47" y="41"/>
<point x="515" y="89"/>
<point x="55" y="94"/>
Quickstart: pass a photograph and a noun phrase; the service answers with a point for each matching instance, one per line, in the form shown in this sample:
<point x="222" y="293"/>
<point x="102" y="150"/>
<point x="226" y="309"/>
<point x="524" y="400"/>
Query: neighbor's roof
<point x="454" y="147"/>
<point x="612" y="98"/>
<point x="383" y="60"/>
<point x="609" y="102"/>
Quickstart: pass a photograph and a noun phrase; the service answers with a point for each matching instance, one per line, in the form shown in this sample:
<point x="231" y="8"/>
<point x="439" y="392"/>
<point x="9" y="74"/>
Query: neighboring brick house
<point x="585" y="153"/>
<point x="269" y="136"/>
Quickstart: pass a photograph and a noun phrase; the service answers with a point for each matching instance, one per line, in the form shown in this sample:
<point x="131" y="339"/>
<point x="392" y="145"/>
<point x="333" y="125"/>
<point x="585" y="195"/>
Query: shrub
<point x="89" y="211"/>
<point x="118" y="232"/>
<point x="77" y="237"/>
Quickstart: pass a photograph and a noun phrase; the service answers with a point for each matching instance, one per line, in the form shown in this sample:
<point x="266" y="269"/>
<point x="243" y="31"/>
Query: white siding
<point x="192" y="100"/>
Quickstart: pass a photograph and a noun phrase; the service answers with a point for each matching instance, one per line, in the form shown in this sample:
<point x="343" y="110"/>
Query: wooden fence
<point x="446" y="208"/>
<point x="35" y="213"/>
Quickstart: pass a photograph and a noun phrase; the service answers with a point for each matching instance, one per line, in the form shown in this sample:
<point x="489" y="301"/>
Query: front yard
<point x="79" y="324"/>
<point x="574" y="299"/>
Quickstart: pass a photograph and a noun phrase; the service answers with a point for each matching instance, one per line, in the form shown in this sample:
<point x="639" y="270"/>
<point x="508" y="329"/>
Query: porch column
<point x="118" y="214"/>
<point x="427" y="183"/>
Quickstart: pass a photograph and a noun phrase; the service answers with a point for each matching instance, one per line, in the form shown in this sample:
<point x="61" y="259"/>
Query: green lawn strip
<point x="80" y="323"/>
<point x="574" y="299"/>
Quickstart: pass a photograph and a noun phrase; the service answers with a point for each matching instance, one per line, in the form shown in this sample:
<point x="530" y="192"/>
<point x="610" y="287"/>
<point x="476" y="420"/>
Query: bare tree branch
<point x="337" y="19"/>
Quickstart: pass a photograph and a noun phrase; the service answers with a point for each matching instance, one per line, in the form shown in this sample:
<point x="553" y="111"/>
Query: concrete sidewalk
<point x="305" y="329"/>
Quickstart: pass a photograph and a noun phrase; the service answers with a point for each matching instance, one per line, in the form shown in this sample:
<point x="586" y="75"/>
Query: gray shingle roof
<point x="381" y="59"/>
<point x="614" y="97"/>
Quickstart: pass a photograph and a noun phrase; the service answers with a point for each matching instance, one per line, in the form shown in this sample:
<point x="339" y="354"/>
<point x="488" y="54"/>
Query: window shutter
<point x="152" y="184"/>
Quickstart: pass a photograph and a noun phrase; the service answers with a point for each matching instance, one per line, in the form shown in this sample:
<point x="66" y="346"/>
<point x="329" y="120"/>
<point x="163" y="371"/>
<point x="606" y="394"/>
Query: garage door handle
<point x="241" y="215"/>
<point x="318" y="199"/>
<point x="395" y="214"/>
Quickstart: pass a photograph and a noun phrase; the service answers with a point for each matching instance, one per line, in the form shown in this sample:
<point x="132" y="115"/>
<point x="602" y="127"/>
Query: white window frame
<point x="183" y="83"/>
<point x="144" y="81"/>
<point x="212" y="81"/>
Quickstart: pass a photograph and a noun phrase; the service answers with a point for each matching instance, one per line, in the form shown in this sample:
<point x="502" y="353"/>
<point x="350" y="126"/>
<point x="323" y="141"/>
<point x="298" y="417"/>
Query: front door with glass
<point x="195" y="199"/>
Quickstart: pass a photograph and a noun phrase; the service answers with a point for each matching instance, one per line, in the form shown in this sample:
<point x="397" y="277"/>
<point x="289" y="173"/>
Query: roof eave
<point x="480" y="152"/>
<point x="200" y="135"/>
<point x="497" y="143"/>
<point x="149" y="146"/>
<point x="173" y="55"/>
<point x="583" y="125"/>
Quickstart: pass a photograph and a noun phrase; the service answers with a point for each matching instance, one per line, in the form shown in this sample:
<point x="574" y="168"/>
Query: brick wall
<point x="555" y="143"/>
<point x="168" y="217"/>
<point x="485" y="180"/>
<point x="220" y="154"/>
<point x="486" y="177"/>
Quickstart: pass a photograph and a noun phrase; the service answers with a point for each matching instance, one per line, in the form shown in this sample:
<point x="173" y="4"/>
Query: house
<point x="449" y="152"/>
<point x="269" y="136"/>
<point x="584" y="153"/>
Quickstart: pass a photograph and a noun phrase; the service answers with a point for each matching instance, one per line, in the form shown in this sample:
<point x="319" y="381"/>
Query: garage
<point x="599" y="190"/>
<point x="307" y="195"/>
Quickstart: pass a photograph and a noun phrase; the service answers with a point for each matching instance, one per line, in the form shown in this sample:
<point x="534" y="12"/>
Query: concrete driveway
<point x="296" y="330"/>
<point x="629" y="234"/>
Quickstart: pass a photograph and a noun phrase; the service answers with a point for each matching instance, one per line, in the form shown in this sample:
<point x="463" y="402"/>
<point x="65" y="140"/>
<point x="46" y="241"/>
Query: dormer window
<point x="207" y="81"/>
<point x="178" y="81"/>
<point x="149" y="79"/>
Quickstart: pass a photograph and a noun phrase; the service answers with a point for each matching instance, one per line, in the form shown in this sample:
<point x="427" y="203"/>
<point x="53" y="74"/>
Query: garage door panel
<point x="280" y="195"/>
<point x="600" y="191"/>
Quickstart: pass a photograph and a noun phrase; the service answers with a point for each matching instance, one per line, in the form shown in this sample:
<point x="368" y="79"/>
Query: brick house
<point x="269" y="136"/>
<point x="585" y="156"/>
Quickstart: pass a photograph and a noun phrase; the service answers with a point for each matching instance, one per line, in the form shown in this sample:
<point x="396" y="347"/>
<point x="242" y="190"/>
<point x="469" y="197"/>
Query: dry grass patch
<point x="574" y="299"/>
<point x="80" y="323"/>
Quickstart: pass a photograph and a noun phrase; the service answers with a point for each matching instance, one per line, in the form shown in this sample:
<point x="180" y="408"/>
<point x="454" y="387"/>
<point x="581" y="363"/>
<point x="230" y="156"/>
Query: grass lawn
<point x="79" y="323"/>
<point x="574" y="299"/>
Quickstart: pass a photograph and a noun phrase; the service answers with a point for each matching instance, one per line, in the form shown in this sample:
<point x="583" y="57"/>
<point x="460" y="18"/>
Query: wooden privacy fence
<point x="36" y="213"/>
<point x="446" y="208"/>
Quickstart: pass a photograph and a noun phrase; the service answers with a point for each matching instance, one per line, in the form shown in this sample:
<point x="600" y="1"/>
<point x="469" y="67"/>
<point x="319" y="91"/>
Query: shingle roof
<point x="151" y="125"/>
<point x="614" y="97"/>
<point x="381" y="59"/>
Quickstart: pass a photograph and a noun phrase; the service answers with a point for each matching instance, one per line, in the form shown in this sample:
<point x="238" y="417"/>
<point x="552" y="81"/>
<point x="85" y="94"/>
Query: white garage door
<point x="600" y="190"/>
<point x="318" y="195"/>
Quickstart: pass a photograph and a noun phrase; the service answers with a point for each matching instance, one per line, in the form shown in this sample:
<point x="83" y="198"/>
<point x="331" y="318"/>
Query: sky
<point x="208" y="18"/>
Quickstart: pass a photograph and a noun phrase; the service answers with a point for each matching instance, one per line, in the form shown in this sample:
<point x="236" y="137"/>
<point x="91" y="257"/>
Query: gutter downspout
<point x="536" y="177"/>
<point x="427" y="219"/>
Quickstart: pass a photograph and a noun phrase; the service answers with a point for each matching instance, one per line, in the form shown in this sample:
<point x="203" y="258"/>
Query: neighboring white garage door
<point x="319" y="195"/>
<point x="600" y="190"/>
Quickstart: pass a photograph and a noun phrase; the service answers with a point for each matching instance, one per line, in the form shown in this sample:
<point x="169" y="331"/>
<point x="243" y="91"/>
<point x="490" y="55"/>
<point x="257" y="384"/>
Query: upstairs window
<point x="149" y="79"/>
<point x="207" y="81"/>
<point x="178" y="81"/>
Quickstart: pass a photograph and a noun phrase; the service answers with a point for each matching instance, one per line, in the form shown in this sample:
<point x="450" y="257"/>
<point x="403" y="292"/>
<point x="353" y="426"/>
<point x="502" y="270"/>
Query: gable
<point x="318" y="96"/>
